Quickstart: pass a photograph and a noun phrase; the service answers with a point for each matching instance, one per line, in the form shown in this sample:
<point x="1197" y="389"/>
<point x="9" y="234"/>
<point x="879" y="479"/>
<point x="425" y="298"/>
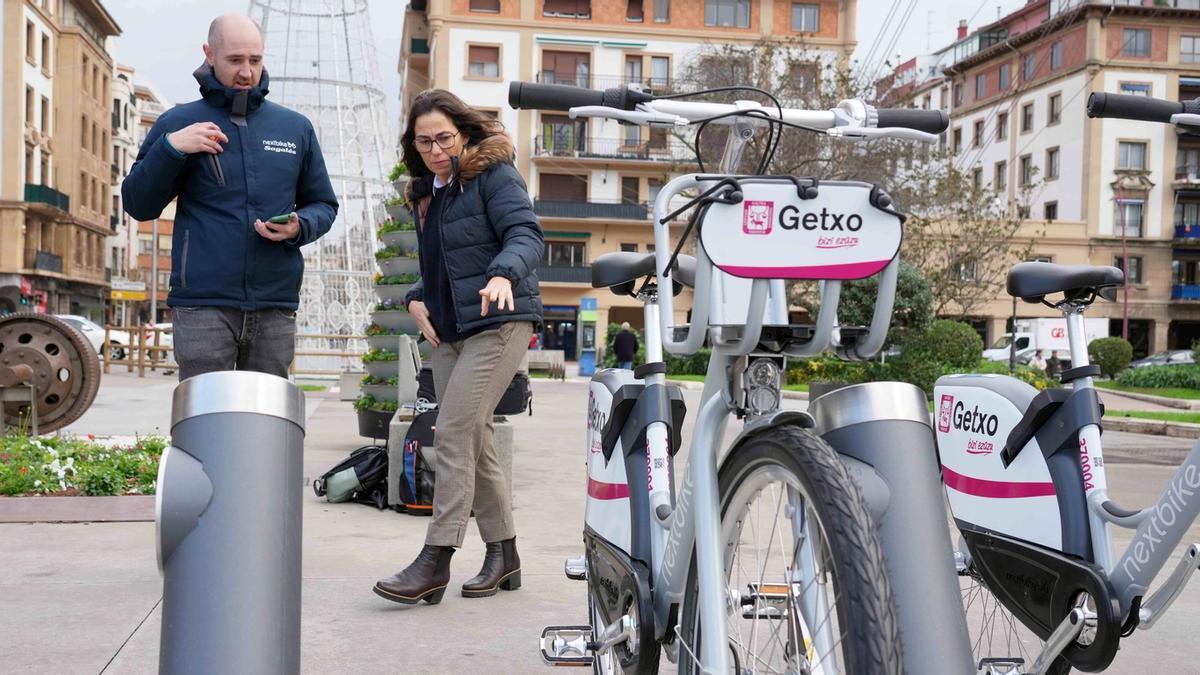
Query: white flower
<point x="37" y="483"/>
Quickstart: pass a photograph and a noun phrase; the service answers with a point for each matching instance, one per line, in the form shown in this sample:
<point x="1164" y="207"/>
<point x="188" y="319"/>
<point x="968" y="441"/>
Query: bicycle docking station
<point x="228" y="525"/>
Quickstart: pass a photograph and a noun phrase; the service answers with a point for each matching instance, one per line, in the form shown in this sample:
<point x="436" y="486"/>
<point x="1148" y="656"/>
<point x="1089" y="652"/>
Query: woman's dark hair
<point x="472" y="124"/>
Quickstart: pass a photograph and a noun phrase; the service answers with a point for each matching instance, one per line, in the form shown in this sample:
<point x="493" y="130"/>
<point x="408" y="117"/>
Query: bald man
<point x="252" y="189"/>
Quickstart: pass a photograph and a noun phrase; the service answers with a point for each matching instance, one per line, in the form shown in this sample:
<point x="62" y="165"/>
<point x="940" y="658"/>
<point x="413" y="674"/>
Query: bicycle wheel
<point x="997" y="637"/>
<point x="806" y="584"/>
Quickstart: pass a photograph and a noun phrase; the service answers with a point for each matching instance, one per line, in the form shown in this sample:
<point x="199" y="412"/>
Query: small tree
<point x="1112" y="354"/>
<point x="911" y="314"/>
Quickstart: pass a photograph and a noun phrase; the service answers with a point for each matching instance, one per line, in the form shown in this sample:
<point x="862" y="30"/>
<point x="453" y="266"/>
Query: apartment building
<point x="1099" y="190"/>
<point x="592" y="181"/>
<point x="152" y="255"/>
<point x="55" y="172"/>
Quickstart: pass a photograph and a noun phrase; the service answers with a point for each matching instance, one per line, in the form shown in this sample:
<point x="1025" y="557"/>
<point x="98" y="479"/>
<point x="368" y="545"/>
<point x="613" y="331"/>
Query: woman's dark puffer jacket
<point x="488" y="229"/>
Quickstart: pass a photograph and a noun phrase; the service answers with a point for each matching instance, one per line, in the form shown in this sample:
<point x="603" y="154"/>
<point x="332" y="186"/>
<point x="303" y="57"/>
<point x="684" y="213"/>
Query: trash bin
<point x="228" y="521"/>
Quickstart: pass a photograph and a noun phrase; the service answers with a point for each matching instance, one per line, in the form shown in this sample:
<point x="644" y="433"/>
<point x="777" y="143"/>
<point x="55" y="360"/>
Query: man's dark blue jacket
<point x="272" y="165"/>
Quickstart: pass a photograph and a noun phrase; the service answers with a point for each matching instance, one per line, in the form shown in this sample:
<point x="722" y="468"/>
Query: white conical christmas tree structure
<point x="320" y="55"/>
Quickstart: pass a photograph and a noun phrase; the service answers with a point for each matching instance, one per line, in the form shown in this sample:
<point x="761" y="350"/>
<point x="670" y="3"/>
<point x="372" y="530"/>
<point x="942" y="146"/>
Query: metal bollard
<point x="228" y="520"/>
<point x="885" y="426"/>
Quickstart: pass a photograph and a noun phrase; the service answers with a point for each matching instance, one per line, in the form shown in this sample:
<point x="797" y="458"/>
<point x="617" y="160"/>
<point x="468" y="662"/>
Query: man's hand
<point x="498" y="290"/>
<point x="198" y="137"/>
<point x="284" y="232"/>
<point x="420" y="312"/>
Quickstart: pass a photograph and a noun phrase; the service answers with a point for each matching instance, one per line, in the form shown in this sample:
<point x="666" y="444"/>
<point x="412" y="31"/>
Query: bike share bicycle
<point x="768" y="558"/>
<point x="1025" y="479"/>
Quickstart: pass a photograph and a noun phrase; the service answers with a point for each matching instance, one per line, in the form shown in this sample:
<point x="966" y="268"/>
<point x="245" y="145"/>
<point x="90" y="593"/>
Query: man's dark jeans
<point x="222" y="338"/>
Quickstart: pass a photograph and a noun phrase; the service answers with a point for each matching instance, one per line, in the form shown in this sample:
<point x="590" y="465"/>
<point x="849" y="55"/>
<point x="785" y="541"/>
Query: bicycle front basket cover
<point x="773" y="233"/>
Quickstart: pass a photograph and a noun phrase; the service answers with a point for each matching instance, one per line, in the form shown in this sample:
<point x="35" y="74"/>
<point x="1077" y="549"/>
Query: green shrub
<point x="696" y="364"/>
<point x="388" y="226"/>
<point x="911" y="313"/>
<point x="947" y="347"/>
<point x="401" y="169"/>
<point x="1027" y="374"/>
<point x="369" y="402"/>
<point x="1162" y="377"/>
<point x="1112" y="354"/>
<point x="828" y="369"/>
<point x="373" y="355"/>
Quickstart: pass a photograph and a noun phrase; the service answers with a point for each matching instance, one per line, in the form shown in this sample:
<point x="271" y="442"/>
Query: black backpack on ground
<point x="361" y="477"/>
<point x="416" y="477"/>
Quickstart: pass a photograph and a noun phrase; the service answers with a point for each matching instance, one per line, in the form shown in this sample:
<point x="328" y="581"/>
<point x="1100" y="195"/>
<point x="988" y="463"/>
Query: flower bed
<point x="60" y="466"/>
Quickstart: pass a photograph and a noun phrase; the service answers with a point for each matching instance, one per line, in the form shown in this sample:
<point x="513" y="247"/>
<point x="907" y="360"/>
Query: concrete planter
<point x="374" y="423"/>
<point x="389" y="342"/>
<point x="395" y="319"/>
<point x="381" y="392"/>
<point x="398" y="265"/>
<point x="406" y="240"/>
<point x="384" y="369"/>
<point x="349" y="384"/>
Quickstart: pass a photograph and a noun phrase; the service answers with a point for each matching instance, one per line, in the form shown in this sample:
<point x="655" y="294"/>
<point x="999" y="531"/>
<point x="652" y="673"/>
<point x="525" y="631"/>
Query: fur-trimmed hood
<point x="474" y="160"/>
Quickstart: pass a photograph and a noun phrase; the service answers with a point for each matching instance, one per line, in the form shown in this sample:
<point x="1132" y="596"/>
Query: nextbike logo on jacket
<point x="280" y="146"/>
<point x="774" y="234"/>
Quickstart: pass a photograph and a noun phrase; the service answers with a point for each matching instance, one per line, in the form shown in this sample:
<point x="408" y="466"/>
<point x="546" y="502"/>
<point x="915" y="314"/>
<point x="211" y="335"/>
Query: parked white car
<point x="118" y="340"/>
<point x="165" y="339"/>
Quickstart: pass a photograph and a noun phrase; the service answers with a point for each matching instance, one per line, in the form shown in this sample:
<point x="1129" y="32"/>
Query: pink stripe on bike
<point x="994" y="489"/>
<point x="599" y="490"/>
<point x="857" y="270"/>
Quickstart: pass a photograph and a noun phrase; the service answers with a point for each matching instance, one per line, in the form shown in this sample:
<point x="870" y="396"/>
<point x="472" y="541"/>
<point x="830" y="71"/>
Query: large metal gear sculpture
<point x="64" y="369"/>
<point x="321" y="58"/>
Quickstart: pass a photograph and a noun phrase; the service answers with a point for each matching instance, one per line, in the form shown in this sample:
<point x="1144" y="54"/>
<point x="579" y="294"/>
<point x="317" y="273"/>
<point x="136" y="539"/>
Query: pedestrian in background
<point x="477" y="302"/>
<point x="1053" y="366"/>
<point x="625" y="344"/>
<point x="233" y="160"/>
<point x="1038" y="361"/>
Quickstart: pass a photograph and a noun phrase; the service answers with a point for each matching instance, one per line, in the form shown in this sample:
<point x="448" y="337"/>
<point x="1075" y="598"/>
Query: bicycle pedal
<point x="1008" y="665"/>
<point x="575" y="568"/>
<point x="566" y="646"/>
<point x="765" y="601"/>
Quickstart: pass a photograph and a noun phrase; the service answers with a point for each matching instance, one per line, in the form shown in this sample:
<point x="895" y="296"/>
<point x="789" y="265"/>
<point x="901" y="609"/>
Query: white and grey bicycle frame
<point x="735" y="314"/>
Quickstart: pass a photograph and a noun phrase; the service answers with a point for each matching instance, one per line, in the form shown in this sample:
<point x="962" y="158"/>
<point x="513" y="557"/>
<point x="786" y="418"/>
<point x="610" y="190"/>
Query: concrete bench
<point x="550" y="360"/>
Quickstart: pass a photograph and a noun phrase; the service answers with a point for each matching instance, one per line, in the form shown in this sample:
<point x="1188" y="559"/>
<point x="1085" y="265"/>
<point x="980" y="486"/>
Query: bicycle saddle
<point x="1031" y="281"/>
<point x="619" y="270"/>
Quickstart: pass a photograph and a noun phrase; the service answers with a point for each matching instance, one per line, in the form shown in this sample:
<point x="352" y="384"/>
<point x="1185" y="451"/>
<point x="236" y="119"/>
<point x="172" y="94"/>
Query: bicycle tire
<point x="871" y="642"/>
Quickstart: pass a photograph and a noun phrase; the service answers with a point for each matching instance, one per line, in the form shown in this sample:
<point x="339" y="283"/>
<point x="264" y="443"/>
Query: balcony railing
<point x="47" y="262"/>
<point x="577" y="80"/>
<point x="561" y="208"/>
<point x="563" y="274"/>
<point x="658" y="85"/>
<point x="1187" y="231"/>
<point x="1187" y="174"/>
<point x="610" y="148"/>
<point x="47" y="195"/>
<point x="1185" y="292"/>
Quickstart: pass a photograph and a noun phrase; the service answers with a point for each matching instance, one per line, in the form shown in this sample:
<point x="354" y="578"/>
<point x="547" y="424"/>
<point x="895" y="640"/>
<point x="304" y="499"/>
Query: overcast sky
<point x="161" y="39"/>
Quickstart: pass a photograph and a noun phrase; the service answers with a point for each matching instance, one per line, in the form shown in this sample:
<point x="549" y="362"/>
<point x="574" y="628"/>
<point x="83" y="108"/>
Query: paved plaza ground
<point x="84" y="597"/>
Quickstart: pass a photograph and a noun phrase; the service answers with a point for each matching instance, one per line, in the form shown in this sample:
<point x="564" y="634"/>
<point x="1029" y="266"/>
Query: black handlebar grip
<point x="929" y="121"/>
<point x="1124" y="106"/>
<point x="529" y="95"/>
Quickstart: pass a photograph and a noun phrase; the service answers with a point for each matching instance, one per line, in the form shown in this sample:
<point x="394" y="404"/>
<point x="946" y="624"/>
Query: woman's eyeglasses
<point x="445" y="141"/>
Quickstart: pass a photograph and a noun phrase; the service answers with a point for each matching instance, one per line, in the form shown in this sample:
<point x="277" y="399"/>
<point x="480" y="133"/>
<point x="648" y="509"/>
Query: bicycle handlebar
<point x="1141" y="108"/>
<point x="532" y="95"/>
<point x="929" y="121"/>
<point x="638" y="107"/>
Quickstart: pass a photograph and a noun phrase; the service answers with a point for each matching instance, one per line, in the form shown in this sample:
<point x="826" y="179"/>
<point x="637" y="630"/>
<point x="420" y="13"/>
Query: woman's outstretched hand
<point x="499" y="291"/>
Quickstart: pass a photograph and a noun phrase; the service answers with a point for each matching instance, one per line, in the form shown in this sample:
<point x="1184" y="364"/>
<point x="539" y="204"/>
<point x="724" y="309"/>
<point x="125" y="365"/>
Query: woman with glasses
<point x="477" y="303"/>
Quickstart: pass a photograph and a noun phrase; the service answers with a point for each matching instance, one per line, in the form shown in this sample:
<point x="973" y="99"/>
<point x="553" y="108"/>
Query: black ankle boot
<point x="501" y="569"/>
<point x="425" y="579"/>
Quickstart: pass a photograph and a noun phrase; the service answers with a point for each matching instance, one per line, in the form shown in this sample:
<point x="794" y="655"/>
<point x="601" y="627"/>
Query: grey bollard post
<point x="886" y="426"/>
<point x="228" y="523"/>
